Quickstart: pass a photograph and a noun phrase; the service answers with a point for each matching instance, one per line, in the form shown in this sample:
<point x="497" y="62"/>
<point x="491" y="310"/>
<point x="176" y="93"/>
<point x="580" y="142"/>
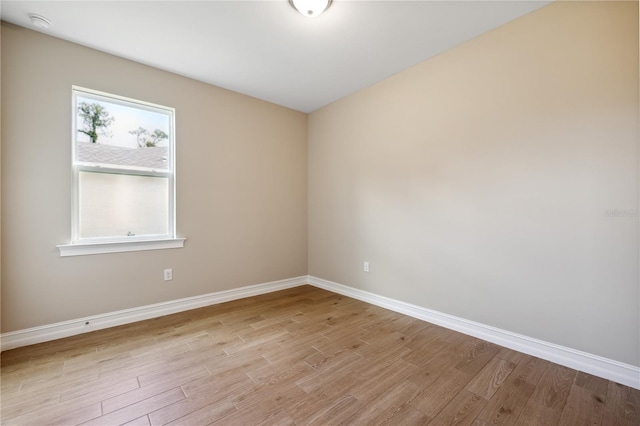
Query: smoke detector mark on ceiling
<point x="39" y="21"/>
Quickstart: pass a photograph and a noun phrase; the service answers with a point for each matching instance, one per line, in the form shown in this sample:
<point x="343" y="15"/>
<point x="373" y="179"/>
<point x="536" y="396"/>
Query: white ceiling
<point x="266" y="49"/>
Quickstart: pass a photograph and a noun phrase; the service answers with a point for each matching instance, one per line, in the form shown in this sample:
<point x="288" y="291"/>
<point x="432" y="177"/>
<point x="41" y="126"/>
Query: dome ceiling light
<point x="310" y="8"/>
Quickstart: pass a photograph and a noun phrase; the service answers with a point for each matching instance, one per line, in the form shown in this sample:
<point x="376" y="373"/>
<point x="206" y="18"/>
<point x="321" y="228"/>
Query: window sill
<point x="81" y="249"/>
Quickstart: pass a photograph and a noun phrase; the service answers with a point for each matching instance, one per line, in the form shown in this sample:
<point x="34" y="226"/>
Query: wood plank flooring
<point x="300" y="356"/>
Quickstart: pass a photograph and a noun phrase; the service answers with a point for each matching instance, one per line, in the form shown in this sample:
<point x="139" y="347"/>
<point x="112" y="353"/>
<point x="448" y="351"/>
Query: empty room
<point x="322" y="212"/>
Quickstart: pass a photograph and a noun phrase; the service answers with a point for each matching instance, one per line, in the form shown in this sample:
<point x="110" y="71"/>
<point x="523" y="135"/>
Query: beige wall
<point x="241" y="187"/>
<point x="477" y="182"/>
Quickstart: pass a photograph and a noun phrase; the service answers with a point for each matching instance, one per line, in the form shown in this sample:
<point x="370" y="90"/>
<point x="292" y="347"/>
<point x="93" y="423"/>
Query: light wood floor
<point x="299" y="356"/>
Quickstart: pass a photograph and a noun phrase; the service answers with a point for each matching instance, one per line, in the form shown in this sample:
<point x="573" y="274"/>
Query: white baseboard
<point x="609" y="369"/>
<point x="30" y="336"/>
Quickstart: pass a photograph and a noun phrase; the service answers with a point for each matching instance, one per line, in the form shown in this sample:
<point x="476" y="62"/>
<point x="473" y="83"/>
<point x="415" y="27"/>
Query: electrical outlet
<point x="365" y="267"/>
<point x="168" y="274"/>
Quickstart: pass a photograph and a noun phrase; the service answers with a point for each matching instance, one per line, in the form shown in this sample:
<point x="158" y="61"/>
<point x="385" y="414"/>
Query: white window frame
<point x="84" y="246"/>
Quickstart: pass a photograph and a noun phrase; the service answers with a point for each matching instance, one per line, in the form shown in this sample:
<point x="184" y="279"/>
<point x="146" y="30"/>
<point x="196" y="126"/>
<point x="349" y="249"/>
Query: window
<point x="123" y="175"/>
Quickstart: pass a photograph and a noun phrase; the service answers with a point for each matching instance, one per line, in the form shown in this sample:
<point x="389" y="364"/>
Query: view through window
<point x="123" y="161"/>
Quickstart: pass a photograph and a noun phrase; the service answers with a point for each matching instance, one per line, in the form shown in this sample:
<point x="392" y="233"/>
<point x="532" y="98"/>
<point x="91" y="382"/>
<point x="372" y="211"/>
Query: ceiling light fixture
<point x="39" y="21"/>
<point x="310" y="8"/>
